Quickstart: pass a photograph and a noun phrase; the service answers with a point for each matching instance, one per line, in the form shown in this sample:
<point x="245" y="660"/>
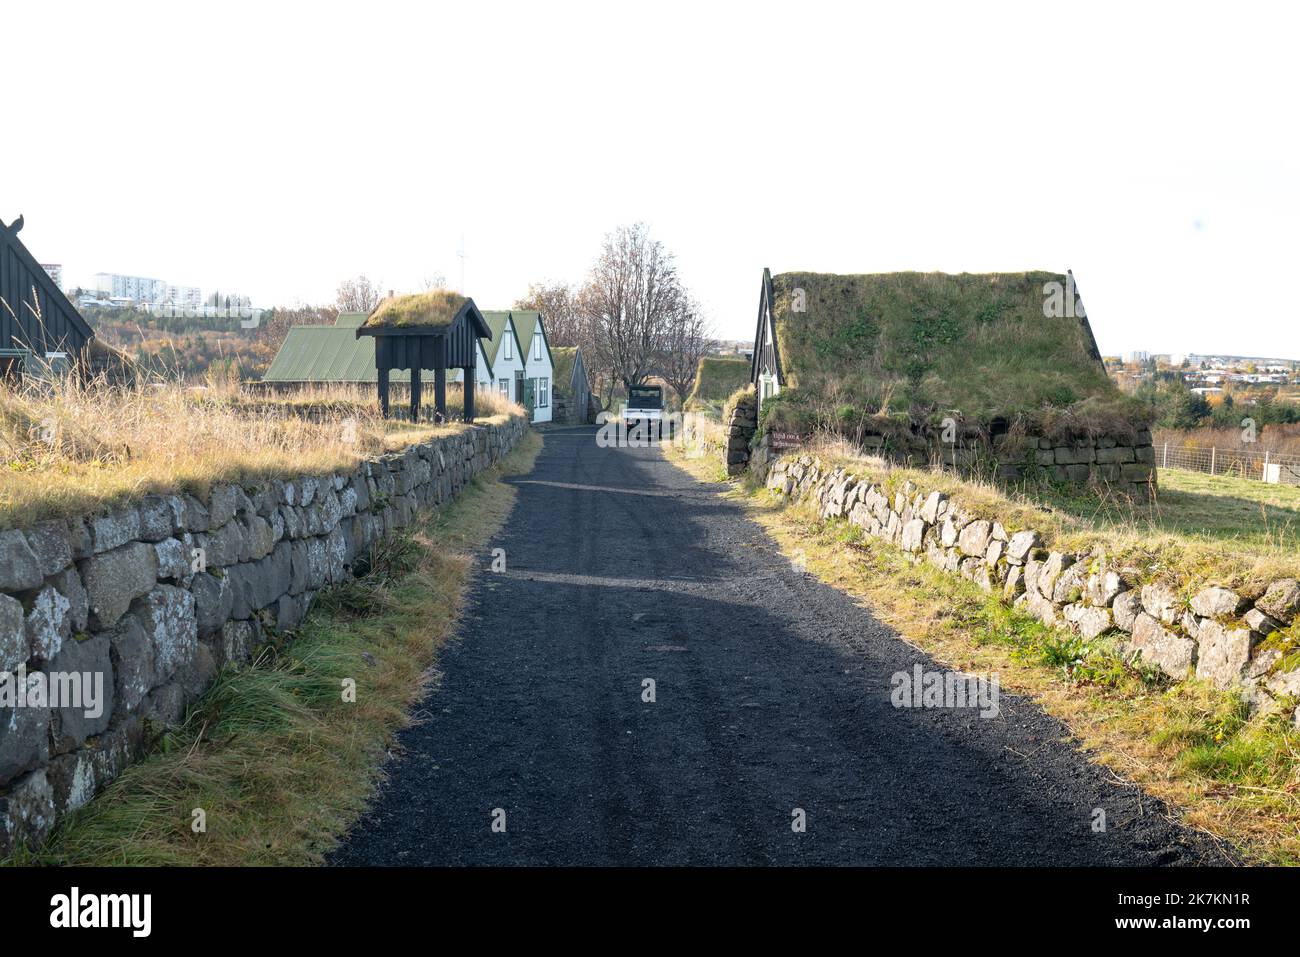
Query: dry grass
<point x="1185" y="743"/>
<point x="280" y="764"/>
<point x="437" y="307"/>
<point x="1191" y="534"/>
<point x="70" y="448"/>
<point x="1284" y="439"/>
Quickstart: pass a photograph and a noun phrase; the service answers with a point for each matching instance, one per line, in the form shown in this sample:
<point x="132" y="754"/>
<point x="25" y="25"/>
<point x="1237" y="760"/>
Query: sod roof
<point x="434" y="309"/>
<point x="925" y="344"/>
<point x="562" y="358"/>
<point x="716" y="379"/>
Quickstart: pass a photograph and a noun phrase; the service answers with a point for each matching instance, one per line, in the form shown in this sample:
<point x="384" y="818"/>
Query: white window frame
<point x="509" y="354"/>
<point x="543" y="393"/>
<point x="504" y="387"/>
<point x="537" y="344"/>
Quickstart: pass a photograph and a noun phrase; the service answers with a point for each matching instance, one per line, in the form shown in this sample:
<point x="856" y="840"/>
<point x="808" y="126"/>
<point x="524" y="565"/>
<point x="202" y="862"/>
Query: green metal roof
<point x="525" y="321"/>
<point x="350" y="320"/>
<point x="496" y="321"/>
<point x="332" y="354"/>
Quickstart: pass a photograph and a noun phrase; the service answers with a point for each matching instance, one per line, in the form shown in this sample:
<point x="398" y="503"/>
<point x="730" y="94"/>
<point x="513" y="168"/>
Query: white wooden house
<point x="521" y="361"/>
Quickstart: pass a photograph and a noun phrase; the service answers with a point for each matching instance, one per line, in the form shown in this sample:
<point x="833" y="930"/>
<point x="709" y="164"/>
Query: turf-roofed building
<point x="996" y="373"/>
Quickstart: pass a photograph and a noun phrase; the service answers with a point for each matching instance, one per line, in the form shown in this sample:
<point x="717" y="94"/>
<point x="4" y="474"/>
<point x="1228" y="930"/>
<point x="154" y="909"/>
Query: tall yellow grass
<point x="70" y="448"/>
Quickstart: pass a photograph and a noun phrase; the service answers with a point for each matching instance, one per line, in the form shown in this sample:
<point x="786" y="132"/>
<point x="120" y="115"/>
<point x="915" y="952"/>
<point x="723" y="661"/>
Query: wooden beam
<point x="415" y="393"/>
<point x="469" y="393"/>
<point x="383" y="391"/>
<point x="440" y="391"/>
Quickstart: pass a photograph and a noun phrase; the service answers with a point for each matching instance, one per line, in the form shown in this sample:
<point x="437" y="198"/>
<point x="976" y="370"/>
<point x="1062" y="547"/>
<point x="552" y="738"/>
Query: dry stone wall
<point x="742" y="422"/>
<point x="156" y="598"/>
<point x="1184" y="629"/>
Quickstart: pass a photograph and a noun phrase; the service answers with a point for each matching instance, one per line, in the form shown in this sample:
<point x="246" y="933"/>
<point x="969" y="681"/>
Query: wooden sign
<point x="787" y="440"/>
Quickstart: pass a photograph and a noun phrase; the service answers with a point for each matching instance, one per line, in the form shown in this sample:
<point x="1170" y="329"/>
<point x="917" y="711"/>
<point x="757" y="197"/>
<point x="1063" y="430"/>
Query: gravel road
<point x="772" y="693"/>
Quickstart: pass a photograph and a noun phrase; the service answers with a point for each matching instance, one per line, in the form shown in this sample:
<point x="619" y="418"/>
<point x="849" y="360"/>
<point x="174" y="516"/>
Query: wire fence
<point x="1276" y="467"/>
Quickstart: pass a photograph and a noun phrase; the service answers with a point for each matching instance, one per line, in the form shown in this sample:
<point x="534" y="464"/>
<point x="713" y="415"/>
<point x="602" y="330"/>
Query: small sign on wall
<point x="787" y="440"/>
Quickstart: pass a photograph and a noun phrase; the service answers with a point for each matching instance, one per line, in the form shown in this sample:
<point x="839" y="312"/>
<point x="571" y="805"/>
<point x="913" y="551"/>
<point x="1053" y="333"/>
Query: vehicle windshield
<point x="645" y="397"/>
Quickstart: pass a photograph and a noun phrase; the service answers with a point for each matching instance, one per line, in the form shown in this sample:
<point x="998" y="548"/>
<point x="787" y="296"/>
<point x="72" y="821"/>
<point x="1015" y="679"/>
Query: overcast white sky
<point x="276" y="149"/>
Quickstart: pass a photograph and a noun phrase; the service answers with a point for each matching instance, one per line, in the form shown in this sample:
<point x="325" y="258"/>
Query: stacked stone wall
<point x="156" y="597"/>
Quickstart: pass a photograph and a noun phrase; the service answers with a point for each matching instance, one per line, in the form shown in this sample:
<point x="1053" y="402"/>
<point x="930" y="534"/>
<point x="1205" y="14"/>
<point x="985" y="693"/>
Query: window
<point x="505" y="388"/>
<point x="537" y="344"/>
<point x="508" y="345"/>
<point x="543" y="393"/>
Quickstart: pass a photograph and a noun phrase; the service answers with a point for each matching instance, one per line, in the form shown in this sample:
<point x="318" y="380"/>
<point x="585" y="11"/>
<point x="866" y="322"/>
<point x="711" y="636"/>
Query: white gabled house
<point x="521" y="361"/>
<point x="539" y="364"/>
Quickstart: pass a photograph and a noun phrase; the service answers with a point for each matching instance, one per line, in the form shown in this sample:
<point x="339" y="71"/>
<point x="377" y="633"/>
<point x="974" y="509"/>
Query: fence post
<point x="1263" y="475"/>
<point x="1213" y="453"/>
<point x="1165" y="464"/>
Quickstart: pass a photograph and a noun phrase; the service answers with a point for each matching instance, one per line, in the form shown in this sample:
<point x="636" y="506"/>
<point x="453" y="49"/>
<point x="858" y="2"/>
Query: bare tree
<point x="686" y="342"/>
<point x="275" y="325"/>
<point x="557" y="302"/>
<point x="625" y="306"/>
<point x="358" y="295"/>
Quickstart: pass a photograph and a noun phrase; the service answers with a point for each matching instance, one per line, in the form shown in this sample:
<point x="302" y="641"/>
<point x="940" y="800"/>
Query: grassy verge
<point x="280" y="764"/>
<point x="1235" y="777"/>
<point x="1200" y="530"/>
<point x="72" y="449"/>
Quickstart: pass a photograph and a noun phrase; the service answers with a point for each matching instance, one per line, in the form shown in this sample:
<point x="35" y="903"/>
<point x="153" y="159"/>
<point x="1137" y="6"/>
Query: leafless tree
<point x="686" y="342"/>
<point x="358" y="295"/>
<point x="275" y="325"/>
<point x="625" y="305"/>
<point x="557" y="302"/>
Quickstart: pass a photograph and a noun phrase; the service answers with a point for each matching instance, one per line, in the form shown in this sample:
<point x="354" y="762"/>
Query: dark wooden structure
<point x="767" y="357"/>
<point x="37" y="321"/>
<point x="448" y="340"/>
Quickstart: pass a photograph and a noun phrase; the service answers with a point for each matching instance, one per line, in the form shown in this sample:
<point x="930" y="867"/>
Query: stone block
<point x="116" y="578"/>
<point x="1216" y="602"/>
<point x="131" y="653"/>
<point x="85" y="672"/>
<point x="68" y="583"/>
<point x="14" y="649"/>
<point x="166" y="614"/>
<point x="974" y="538"/>
<point x="1223" y="653"/>
<point x="20" y="569"/>
<point x="26" y="812"/>
<point x="48" y="623"/>
<point x="51" y="545"/>
<point x="1281" y="601"/>
<point x="1163" y="602"/>
<point x="1158" y="646"/>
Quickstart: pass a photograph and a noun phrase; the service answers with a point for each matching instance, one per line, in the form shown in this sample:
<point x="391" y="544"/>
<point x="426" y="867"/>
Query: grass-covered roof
<point x="562" y="358"/>
<point x="434" y="309"/>
<point x="716" y="379"/>
<point x="919" y="346"/>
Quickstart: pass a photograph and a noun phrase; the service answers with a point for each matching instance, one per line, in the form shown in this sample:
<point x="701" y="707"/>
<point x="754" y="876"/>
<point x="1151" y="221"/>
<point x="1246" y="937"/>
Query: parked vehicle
<point x="645" y="403"/>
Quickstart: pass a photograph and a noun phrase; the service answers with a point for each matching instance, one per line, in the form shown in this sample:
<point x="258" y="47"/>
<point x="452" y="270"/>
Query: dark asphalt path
<point x="773" y="693"/>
